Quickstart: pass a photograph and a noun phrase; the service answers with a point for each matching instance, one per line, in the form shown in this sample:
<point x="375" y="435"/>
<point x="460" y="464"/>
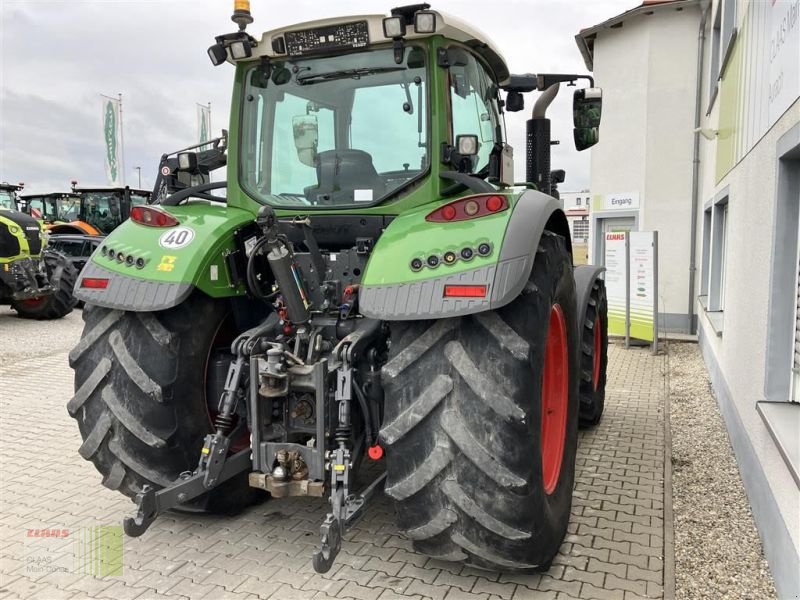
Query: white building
<point x="642" y="167"/>
<point x="576" y="206"/>
<point x="700" y="140"/>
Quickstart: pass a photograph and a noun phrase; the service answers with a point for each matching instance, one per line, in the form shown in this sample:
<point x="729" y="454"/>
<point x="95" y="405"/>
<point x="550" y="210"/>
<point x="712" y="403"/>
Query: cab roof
<point x="447" y="26"/>
<point x="78" y="190"/>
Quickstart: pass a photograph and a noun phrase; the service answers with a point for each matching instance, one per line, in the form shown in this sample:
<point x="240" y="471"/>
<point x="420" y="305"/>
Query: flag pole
<point x="121" y="139"/>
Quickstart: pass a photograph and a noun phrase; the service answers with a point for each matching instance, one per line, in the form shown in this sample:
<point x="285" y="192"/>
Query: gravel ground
<point x="718" y="553"/>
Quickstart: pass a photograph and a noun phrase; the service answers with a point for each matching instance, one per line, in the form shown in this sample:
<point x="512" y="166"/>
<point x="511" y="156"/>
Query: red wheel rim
<point x="33" y="302"/>
<point x="598" y="350"/>
<point x="555" y="393"/>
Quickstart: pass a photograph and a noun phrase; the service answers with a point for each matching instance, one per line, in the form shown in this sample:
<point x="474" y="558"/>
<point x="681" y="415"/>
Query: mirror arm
<point x="529" y="82"/>
<point x="465" y="180"/>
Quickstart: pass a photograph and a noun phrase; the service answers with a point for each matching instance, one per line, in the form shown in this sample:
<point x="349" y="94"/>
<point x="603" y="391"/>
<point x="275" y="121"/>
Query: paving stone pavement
<point x="614" y="548"/>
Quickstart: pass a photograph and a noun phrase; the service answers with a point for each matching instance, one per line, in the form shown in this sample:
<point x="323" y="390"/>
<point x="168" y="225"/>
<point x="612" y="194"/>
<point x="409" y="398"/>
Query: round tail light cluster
<point x="471" y="207"/>
<point x="121" y="257"/>
<point x="451" y="257"/>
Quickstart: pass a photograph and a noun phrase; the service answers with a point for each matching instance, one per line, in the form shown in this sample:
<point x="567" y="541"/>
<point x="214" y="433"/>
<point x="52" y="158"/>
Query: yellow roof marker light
<point x="241" y="13"/>
<point x="238" y="45"/>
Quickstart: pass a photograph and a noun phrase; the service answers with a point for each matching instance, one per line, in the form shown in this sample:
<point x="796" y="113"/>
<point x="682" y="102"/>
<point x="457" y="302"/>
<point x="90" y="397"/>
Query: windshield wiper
<point x="346" y="74"/>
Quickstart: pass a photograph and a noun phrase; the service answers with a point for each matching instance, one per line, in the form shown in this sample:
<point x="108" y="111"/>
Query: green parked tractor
<point x="375" y="284"/>
<point x="37" y="282"/>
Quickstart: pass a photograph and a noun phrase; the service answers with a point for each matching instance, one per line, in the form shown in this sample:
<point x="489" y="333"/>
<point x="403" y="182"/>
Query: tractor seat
<point x="340" y="173"/>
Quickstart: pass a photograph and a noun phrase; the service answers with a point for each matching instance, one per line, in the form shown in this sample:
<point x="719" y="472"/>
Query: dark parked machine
<point x="77" y="248"/>
<point x="36" y="281"/>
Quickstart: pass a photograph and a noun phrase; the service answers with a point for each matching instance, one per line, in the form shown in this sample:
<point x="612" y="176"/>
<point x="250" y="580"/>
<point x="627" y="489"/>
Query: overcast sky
<point x="57" y="57"/>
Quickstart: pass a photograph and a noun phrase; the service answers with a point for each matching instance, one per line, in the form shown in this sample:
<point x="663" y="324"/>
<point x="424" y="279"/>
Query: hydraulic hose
<point x="252" y="282"/>
<point x="362" y="402"/>
<point x="200" y="191"/>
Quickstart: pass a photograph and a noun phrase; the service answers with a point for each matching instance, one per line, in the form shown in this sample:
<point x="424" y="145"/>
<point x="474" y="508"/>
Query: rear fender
<point x="171" y="269"/>
<point x="392" y="292"/>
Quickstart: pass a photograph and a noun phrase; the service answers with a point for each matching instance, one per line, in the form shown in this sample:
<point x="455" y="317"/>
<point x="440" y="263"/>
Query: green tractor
<point x="36" y="281"/>
<point x="374" y="285"/>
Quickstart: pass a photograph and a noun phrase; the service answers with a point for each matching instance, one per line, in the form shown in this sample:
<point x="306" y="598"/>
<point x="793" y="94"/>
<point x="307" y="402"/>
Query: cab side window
<point x="473" y="101"/>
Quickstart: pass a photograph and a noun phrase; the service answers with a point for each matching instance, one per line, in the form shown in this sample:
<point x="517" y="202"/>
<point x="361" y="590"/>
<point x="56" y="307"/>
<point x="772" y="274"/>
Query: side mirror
<point x="586" y="137"/>
<point x="306" y="137"/>
<point x="587" y="107"/>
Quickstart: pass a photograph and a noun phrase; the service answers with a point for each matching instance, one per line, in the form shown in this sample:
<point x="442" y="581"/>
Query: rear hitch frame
<point x="151" y="503"/>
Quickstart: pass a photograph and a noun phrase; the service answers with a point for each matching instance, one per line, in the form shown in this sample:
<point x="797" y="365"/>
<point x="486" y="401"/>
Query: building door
<point x="611" y="225"/>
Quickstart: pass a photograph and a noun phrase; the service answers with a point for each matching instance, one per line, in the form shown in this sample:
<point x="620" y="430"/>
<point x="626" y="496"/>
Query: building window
<point x="713" y="67"/>
<point x="706" y="256"/>
<point x="796" y="348"/>
<point x="728" y="29"/>
<point x="719" y="248"/>
<point x="577" y="201"/>
<point x="723" y="34"/>
<point x="580" y="230"/>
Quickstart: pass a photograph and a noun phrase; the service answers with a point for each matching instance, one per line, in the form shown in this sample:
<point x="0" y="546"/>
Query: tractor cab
<point x="104" y="209"/>
<point x="8" y="195"/>
<point x="52" y="209"/>
<point x="369" y="110"/>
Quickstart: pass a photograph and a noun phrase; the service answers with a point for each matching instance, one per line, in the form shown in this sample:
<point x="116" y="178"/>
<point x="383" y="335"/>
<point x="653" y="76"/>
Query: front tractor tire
<point x="481" y="425"/>
<point x="140" y="397"/>
<point x="62" y="276"/>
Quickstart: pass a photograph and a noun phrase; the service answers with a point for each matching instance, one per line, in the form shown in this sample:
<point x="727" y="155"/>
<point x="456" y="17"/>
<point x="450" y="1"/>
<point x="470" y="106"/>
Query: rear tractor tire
<point x="140" y="397"/>
<point x="594" y="357"/>
<point x="481" y="425"/>
<point x="62" y="275"/>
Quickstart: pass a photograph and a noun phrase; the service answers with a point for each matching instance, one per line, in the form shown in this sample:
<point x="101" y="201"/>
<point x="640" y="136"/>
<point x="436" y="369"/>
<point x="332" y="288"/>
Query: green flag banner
<point x="203" y="123"/>
<point x="112" y="134"/>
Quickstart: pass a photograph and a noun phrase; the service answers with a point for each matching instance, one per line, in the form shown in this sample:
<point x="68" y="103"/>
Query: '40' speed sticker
<point x="180" y="237"/>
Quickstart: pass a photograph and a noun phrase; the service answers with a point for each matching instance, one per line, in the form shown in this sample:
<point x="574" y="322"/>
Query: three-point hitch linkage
<point x="257" y="357"/>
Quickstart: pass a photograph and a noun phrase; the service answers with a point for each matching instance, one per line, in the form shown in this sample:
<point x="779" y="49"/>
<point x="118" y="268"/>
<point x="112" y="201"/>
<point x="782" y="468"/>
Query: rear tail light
<point x="152" y="217"/>
<point x="94" y="283"/>
<point x="471" y="207"/>
<point x="465" y="291"/>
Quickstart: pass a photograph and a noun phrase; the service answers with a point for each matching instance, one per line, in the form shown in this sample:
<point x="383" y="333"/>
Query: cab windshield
<point x="55" y="208"/>
<point x="139" y="199"/>
<point x="335" y="131"/>
<point x="103" y="210"/>
<point x="7" y="199"/>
